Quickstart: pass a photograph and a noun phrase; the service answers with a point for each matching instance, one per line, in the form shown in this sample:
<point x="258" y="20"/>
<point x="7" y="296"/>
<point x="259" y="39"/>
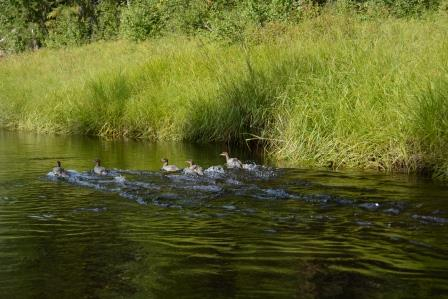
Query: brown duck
<point x="168" y="168"/>
<point x="231" y="162"/>
<point x="194" y="167"/>
<point x="98" y="169"/>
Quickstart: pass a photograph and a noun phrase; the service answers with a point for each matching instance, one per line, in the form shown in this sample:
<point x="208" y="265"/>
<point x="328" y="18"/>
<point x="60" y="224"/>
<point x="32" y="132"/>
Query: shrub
<point x="443" y="7"/>
<point x="64" y="27"/>
<point x="108" y="20"/>
<point x="187" y="16"/>
<point x="227" y="26"/>
<point x="141" y="20"/>
<point x="16" y="33"/>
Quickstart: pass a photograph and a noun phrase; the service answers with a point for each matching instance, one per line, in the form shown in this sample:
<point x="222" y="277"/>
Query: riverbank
<point x="333" y="91"/>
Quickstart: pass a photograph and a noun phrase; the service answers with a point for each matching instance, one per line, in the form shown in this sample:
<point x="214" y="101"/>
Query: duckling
<point x="231" y="162"/>
<point x="98" y="169"/>
<point x="194" y="168"/>
<point x="168" y="168"/>
<point x="59" y="171"/>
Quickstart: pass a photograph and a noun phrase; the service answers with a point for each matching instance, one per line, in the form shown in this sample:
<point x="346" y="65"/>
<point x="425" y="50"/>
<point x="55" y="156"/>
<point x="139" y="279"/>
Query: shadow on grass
<point x="245" y="106"/>
<point x="431" y="126"/>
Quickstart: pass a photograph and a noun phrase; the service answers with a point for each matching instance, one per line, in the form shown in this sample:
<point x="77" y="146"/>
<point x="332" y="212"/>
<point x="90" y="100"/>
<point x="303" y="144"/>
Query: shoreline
<point x="332" y="91"/>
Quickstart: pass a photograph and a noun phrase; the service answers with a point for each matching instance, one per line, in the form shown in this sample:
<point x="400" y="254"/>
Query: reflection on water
<point x="263" y="233"/>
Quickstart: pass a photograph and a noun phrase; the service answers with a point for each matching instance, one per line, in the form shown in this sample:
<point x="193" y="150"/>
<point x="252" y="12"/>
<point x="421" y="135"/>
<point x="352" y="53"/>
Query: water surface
<point x="260" y="233"/>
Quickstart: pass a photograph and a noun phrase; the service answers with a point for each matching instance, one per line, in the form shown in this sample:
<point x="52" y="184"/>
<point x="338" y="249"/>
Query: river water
<point x="261" y="233"/>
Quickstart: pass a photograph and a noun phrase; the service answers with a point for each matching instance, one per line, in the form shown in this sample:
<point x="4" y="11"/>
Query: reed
<point x="332" y="91"/>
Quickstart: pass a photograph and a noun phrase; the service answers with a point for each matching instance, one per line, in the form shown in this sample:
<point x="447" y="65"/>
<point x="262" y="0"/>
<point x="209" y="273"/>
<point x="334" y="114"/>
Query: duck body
<point x="98" y="169"/>
<point x="232" y="162"/>
<point x="198" y="169"/>
<point x="168" y="168"/>
<point x="194" y="168"/>
<point x="59" y="171"/>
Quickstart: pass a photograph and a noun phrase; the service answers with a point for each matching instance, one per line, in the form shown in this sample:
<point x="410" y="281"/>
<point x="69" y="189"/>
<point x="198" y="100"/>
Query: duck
<point x="194" y="168"/>
<point x="231" y="162"/>
<point x="168" y="168"/>
<point x="98" y="169"/>
<point x="59" y="171"/>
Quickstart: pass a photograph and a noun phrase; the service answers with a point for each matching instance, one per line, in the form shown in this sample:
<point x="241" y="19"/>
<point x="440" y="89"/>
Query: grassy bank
<point x="333" y="90"/>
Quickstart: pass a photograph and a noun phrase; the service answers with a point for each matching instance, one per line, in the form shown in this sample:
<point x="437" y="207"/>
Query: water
<point x="264" y="233"/>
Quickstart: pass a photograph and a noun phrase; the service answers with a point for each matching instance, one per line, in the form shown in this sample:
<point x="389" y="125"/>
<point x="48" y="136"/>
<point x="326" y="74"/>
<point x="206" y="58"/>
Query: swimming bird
<point x="98" y="169"/>
<point x="59" y="171"/>
<point x="169" y="168"/>
<point x="194" y="167"/>
<point x="231" y="162"/>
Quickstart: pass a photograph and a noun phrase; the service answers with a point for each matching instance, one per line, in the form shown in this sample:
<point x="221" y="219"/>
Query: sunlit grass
<point x="332" y="91"/>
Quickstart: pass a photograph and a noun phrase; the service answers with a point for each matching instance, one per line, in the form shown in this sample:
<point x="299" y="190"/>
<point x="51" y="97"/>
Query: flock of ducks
<point x="192" y="168"/>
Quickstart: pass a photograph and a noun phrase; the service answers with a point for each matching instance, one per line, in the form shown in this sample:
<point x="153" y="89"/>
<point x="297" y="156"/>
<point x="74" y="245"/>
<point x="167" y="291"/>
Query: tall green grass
<point x="333" y="91"/>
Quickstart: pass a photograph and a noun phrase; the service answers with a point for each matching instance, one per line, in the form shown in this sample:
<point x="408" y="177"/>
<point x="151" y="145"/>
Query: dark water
<point x="263" y="233"/>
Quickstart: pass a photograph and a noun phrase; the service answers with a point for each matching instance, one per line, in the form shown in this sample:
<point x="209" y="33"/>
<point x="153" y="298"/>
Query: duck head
<point x="225" y="154"/>
<point x="189" y="162"/>
<point x="97" y="161"/>
<point x="164" y="160"/>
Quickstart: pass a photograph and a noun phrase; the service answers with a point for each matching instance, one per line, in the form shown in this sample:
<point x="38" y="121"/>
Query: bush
<point x="142" y="19"/>
<point x="187" y="16"/>
<point x="20" y="38"/>
<point x="227" y="26"/>
<point x="403" y="8"/>
<point x="443" y="7"/>
<point x="16" y="33"/>
<point x="64" y="27"/>
<point x="108" y="20"/>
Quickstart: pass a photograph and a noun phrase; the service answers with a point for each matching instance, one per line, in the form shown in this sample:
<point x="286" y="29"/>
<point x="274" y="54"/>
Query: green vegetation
<point x="339" y="89"/>
<point x="32" y="24"/>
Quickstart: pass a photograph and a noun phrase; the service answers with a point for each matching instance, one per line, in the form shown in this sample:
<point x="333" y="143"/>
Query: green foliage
<point x="187" y="17"/>
<point x="108" y="20"/>
<point x="432" y="115"/>
<point x="16" y="33"/>
<point x="261" y="12"/>
<point x="30" y="24"/>
<point x="64" y="28"/>
<point x="431" y="123"/>
<point x="443" y="7"/>
<point x="142" y="19"/>
<point x="226" y="26"/>
<point x="20" y="37"/>
<point x="403" y="8"/>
